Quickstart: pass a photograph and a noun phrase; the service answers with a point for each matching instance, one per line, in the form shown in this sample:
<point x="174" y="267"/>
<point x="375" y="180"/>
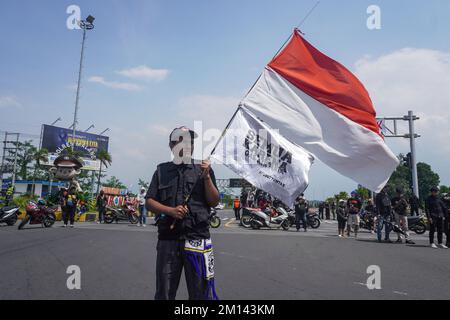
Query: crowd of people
<point x="383" y="215"/>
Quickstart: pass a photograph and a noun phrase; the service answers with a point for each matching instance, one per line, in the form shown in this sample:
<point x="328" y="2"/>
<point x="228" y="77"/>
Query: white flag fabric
<point x="264" y="158"/>
<point x="318" y="104"/>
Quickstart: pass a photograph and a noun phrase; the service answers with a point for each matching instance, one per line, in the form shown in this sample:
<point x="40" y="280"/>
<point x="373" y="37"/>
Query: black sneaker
<point x="410" y="242"/>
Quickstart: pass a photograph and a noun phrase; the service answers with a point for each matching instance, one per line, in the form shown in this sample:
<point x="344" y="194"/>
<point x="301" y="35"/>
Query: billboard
<point x="56" y="139"/>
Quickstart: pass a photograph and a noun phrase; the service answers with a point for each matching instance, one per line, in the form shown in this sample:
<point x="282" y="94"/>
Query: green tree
<point x="114" y="182"/>
<point x="444" y="189"/>
<point x="402" y="178"/>
<point x="143" y="184"/>
<point x="25" y="152"/>
<point x="427" y="179"/>
<point x="341" y="196"/>
<point x="39" y="156"/>
<point x="105" y="160"/>
<point x="363" y="193"/>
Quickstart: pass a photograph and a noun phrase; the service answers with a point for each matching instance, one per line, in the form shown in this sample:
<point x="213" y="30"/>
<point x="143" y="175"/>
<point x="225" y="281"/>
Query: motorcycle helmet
<point x="342" y="202"/>
<point x="41" y="202"/>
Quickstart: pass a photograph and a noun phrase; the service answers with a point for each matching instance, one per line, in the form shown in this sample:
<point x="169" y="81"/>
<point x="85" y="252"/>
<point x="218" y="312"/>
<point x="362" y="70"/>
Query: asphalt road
<point x="118" y="262"/>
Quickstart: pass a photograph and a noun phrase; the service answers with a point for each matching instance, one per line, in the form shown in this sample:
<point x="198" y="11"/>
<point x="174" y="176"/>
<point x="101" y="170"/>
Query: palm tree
<point x="38" y="156"/>
<point x="105" y="160"/>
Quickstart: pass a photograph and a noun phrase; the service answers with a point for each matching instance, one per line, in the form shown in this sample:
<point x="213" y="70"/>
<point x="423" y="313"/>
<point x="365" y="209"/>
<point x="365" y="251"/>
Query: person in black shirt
<point x="400" y="205"/>
<point x="354" y="206"/>
<point x="446" y="200"/>
<point x="68" y="202"/>
<point x="384" y="209"/>
<point x="341" y="218"/>
<point x="435" y="210"/>
<point x="301" y="211"/>
<point x="101" y="206"/>
<point x="182" y="193"/>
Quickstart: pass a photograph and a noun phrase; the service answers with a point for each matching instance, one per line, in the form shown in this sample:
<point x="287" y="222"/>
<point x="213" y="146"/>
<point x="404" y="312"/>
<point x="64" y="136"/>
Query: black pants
<point x="447" y="230"/>
<point x="237" y="213"/>
<point x="341" y="223"/>
<point x="170" y="261"/>
<point x="301" y="220"/>
<point x="68" y="214"/>
<point x="101" y="214"/>
<point x="437" y="225"/>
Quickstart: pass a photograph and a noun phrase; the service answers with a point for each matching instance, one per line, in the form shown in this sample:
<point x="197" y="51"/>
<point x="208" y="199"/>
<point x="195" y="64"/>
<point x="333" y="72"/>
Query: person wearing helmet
<point x="341" y="218"/>
<point x="400" y="205"/>
<point x="354" y="206"/>
<point x="141" y="205"/>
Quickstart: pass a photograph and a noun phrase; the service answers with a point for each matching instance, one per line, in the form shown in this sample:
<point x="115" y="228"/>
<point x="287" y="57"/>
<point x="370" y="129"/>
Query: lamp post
<point x="87" y="24"/>
<point x="104" y="131"/>
<point x="90" y="127"/>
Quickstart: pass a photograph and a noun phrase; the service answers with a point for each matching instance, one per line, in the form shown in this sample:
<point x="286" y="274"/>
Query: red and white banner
<point x="316" y="103"/>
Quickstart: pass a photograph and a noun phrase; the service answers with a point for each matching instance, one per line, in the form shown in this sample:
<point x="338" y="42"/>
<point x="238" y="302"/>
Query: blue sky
<point x="211" y="53"/>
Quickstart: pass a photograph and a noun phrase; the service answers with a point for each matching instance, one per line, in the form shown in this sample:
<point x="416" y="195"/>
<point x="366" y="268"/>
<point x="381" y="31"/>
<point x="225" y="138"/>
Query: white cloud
<point x="115" y="85"/>
<point x="145" y="73"/>
<point x="418" y="80"/>
<point x="9" y="101"/>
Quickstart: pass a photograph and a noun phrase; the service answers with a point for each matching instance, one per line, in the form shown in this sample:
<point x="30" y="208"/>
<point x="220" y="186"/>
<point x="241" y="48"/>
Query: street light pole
<point x="87" y="24"/>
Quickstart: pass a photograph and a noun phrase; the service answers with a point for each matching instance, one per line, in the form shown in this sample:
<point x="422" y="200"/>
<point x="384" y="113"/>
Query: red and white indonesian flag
<point x="319" y="105"/>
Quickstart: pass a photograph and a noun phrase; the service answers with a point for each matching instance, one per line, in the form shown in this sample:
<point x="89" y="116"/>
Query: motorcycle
<point x="127" y="213"/>
<point x="247" y="215"/>
<point x="367" y="221"/>
<point x="313" y="219"/>
<point x="9" y="215"/>
<point x="39" y="213"/>
<point x="417" y="224"/>
<point x="214" y="220"/>
<point x="270" y="218"/>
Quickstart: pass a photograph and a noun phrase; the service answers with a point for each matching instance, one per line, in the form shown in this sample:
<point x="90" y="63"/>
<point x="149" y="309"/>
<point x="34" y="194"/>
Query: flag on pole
<point x="318" y="104"/>
<point x="264" y="158"/>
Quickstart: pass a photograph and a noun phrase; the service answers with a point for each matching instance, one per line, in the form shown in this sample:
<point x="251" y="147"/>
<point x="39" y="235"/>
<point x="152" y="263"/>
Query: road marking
<point x="229" y="222"/>
<point x="400" y="293"/>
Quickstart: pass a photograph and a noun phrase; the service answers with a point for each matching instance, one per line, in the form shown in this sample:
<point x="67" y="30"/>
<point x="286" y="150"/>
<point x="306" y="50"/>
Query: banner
<point x="56" y="139"/>
<point x="264" y="158"/>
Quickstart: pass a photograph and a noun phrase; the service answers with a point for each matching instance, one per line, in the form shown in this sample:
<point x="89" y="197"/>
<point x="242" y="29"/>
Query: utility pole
<point x="389" y="128"/>
<point x="10" y="146"/>
<point x="87" y="24"/>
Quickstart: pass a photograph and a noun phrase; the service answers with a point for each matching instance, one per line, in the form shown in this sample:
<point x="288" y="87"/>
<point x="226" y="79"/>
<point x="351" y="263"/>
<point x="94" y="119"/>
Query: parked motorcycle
<point x="38" y="213"/>
<point x="127" y="213"/>
<point x="9" y="215"/>
<point x="270" y="218"/>
<point x="247" y="215"/>
<point x="312" y="219"/>
<point x="417" y="224"/>
<point x="214" y="220"/>
<point x="366" y="221"/>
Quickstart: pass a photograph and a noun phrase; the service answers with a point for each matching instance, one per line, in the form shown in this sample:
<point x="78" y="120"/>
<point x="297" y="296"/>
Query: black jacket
<point x="170" y="186"/>
<point x="435" y="207"/>
<point x="383" y="204"/>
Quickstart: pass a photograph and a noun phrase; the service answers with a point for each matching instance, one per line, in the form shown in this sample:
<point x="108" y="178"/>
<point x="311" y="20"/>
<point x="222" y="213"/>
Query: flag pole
<point x="224" y="132"/>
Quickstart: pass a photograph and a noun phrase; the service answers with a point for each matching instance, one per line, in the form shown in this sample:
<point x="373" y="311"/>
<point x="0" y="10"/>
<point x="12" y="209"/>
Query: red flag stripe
<point x="325" y="80"/>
